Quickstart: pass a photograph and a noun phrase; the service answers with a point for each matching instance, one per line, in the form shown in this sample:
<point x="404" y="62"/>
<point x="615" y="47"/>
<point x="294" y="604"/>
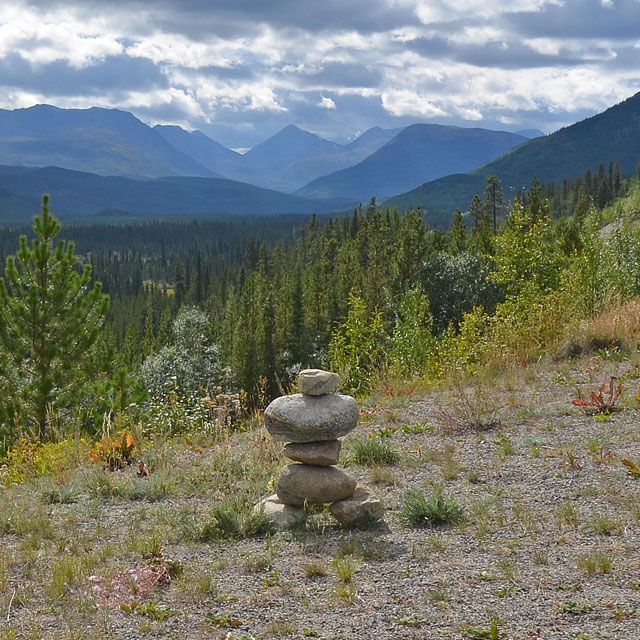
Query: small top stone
<point x="316" y="382"/>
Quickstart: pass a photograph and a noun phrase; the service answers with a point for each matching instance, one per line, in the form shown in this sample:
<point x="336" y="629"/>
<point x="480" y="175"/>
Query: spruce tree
<point x="493" y="199"/>
<point x="50" y="318"/>
<point x="457" y="236"/>
<point x="476" y="211"/>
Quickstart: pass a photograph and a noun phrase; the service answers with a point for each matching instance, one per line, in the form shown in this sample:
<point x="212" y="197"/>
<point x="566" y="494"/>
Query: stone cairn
<point x="310" y="424"/>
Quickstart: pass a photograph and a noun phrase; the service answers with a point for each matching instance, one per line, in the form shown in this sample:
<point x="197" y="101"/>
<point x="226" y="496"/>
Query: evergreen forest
<point x="152" y="322"/>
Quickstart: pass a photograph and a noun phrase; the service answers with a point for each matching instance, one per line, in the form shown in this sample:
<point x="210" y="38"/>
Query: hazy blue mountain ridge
<point x="195" y="144"/>
<point x="419" y="153"/>
<point x="286" y="161"/>
<point x="103" y="141"/>
<point x="606" y="137"/>
<point x="76" y="194"/>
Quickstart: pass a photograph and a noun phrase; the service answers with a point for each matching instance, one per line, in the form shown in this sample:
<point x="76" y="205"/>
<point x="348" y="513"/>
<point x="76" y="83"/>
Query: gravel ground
<point x="549" y="546"/>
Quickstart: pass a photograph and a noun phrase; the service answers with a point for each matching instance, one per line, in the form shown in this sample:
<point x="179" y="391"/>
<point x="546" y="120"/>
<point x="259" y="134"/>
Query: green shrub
<point x="420" y="511"/>
<point x="357" y="347"/>
<point x="412" y="345"/>
<point x="32" y="459"/>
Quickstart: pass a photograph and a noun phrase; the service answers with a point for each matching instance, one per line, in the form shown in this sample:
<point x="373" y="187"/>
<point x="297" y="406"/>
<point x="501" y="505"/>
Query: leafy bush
<point x="420" y="511"/>
<point x="607" y="271"/>
<point x="526" y="253"/>
<point x="357" y="348"/>
<point x="116" y="452"/>
<point x="170" y="413"/>
<point x="467" y="348"/>
<point x="457" y="284"/>
<point x="191" y="363"/>
<point x="29" y="459"/>
<point x="412" y="345"/>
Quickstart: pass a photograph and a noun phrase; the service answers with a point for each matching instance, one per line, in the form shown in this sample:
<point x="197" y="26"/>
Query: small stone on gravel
<point x="281" y="514"/>
<point x="362" y="506"/>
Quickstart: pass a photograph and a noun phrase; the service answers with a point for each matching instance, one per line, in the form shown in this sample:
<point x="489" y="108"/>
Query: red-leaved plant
<point x="604" y="400"/>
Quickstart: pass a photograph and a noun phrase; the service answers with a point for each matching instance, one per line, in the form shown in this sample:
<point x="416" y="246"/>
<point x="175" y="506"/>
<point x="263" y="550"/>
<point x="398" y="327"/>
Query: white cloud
<point x="213" y="95"/>
<point x="430" y="11"/>
<point x="13" y="99"/>
<point x="44" y="38"/>
<point x="469" y="113"/>
<point x="409" y="103"/>
<point x="327" y="103"/>
<point x="272" y="68"/>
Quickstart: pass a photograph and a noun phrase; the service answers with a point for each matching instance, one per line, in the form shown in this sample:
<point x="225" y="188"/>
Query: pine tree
<point x="296" y="337"/>
<point x="493" y="199"/>
<point x="581" y="207"/>
<point x="457" y="236"/>
<point x="179" y="283"/>
<point x="480" y="240"/>
<point x="268" y="355"/>
<point x="49" y="321"/>
<point x="476" y="212"/>
<point x="411" y="248"/>
<point x="537" y="207"/>
<point x="617" y="179"/>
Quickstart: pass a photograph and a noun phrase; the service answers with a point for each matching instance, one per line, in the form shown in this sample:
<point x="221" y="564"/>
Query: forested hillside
<point x="242" y="304"/>
<point x="82" y="195"/>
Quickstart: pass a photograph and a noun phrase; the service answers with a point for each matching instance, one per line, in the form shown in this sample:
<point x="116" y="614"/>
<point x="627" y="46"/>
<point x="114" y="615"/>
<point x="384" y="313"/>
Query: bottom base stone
<point x="281" y="514"/>
<point x="363" y="506"/>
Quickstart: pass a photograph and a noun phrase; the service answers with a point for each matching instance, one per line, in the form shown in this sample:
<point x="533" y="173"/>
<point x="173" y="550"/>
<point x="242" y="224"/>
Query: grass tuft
<point x="235" y="518"/>
<point x="420" y="511"/>
<point x="373" y="452"/>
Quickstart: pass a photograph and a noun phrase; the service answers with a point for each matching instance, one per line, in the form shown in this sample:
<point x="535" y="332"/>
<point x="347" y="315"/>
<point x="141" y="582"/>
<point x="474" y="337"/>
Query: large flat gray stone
<point x="302" y="418"/>
<point x="305" y="482"/>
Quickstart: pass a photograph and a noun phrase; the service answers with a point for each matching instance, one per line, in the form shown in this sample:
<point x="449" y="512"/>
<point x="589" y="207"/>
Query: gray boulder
<point x="323" y="453"/>
<point x="302" y="418"/>
<point x="281" y="514"/>
<point x="362" y="506"/>
<point x="314" y="484"/>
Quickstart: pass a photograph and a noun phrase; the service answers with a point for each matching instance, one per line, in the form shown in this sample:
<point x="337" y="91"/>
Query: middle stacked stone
<point x="310" y="423"/>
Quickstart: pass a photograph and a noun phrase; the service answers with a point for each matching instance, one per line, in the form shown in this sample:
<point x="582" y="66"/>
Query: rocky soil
<point x="548" y="546"/>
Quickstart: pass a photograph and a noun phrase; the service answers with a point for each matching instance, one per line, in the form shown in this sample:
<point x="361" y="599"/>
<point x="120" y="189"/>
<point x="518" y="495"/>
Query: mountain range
<point x="610" y="136"/>
<point x="421" y="151"/>
<point x="286" y="161"/>
<point x="102" y="141"/>
<point x="92" y="160"/>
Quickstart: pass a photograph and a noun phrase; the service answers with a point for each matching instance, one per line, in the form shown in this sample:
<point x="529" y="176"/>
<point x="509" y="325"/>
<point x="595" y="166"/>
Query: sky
<point x="241" y="70"/>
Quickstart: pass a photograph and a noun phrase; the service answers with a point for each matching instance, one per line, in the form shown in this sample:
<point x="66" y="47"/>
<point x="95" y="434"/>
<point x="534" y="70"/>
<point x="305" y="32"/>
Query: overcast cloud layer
<point x="244" y="69"/>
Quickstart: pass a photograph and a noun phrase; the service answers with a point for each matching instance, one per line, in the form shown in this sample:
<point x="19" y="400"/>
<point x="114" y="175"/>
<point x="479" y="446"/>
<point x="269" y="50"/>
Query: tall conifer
<point x="50" y="319"/>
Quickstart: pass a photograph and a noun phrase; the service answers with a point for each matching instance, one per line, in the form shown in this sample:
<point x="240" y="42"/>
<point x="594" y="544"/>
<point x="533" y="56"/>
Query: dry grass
<point x="549" y="542"/>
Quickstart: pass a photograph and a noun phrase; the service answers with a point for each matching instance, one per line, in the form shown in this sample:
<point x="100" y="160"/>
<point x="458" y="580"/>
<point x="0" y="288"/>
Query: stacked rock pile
<point x="310" y="423"/>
